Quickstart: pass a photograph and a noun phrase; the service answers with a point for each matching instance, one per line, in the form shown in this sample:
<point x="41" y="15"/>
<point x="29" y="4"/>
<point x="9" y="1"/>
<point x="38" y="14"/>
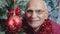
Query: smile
<point x="34" y="20"/>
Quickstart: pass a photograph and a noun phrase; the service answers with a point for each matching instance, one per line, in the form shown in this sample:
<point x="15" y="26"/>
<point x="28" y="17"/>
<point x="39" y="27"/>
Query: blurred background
<point x="52" y="5"/>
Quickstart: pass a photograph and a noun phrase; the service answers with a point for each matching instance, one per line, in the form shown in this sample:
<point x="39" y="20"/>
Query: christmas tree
<point x="9" y="11"/>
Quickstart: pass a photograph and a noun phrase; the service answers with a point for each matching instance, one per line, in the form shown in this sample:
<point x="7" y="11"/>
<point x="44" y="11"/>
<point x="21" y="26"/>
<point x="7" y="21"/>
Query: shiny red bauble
<point x="14" y="23"/>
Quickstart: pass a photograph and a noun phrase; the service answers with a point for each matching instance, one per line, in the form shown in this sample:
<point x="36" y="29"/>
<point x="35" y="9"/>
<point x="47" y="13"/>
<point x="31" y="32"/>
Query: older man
<point x="36" y="19"/>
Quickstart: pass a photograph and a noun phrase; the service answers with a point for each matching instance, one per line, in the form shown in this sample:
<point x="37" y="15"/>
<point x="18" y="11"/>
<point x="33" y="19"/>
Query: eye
<point x="30" y="11"/>
<point x="39" y="11"/>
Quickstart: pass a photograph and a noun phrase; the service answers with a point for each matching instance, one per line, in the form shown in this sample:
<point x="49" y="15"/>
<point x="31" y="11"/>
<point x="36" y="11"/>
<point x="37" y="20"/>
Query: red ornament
<point x="10" y="13"/>
<point x="14" y="24"/>
<point x="17" y="11"/>
<point x="14" y="21"/>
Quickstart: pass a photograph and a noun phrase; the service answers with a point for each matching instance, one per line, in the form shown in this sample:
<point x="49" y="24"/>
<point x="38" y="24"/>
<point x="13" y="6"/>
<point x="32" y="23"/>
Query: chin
<point x="34" y="25"/>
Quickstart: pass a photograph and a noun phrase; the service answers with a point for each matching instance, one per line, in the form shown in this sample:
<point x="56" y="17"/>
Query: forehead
<point x="35" y="5"/>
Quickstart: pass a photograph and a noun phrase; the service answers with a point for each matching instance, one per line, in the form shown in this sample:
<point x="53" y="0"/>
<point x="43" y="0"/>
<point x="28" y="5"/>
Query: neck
<point x="36" y="29"/>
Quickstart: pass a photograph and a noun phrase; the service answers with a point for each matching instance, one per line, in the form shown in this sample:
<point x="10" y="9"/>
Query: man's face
<point x="36" y="14"/>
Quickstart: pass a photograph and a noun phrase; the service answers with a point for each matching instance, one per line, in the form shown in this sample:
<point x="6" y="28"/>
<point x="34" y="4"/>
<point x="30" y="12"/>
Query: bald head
<point x="36" y="4"/>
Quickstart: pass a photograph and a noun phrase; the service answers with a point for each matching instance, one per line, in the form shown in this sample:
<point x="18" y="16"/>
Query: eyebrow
<point x="35" y="10"/>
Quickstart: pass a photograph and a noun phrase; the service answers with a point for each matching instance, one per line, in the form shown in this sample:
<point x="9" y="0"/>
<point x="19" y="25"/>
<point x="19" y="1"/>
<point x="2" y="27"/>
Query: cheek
<point x="27" y="15"/>
<point x="42" y="16"/>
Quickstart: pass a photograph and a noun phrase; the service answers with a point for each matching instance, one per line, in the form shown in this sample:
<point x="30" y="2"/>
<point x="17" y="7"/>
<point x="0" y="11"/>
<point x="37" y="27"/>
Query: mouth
<point x="34" y="20"/>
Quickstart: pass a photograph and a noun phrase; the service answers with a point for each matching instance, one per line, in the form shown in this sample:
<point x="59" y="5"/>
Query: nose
<point x="34" y="15"/>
